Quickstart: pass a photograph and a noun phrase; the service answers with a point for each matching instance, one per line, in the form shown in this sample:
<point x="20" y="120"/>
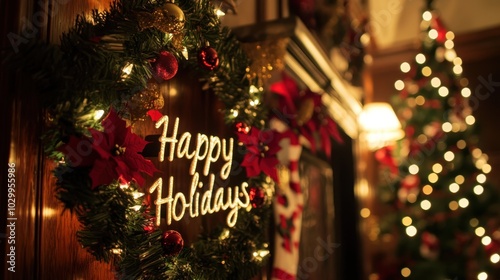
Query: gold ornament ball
<point x="169" y="18"/>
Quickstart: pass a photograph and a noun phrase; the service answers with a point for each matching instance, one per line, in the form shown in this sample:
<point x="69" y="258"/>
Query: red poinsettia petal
<point x="251" y="164"/>
<point x="155" y="115"/>
<point x="133" y="142"/>
<point x="122" y="169"/>
<point x="78" y="152"/>
<point x="101" y="143"/>
<point x="138" y="178"/>
<point x="137" y="162"/>
<point x="103" y="172"/>
<point x="268" y="166"/>
<point x="115" y="127"/>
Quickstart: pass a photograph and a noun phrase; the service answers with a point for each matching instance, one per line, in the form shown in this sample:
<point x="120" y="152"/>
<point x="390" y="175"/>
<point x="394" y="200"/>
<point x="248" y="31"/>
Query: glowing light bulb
<point x="466" y="92"/>
<point x="413" y="169"/>
<point x="495" y="258"/>
<point x="443" y="91"/>
<point x="399" y="85"/>
<point x="405" y="67"/>
<point x="427" y="189"/>
<point x="450" y="54"/>
<point x="486" y="240"/>
<point x="98" y="114"/>
<point x="427" y="16"/>
<point x="449" y="156"/>
<point x="478" y="190"/>
<point x="457" y="61"/>
<point x="365" y="213"/>
<point x="474" y="222"/>
<point x="425" y="204"/>
<point x="420" y="100"/>
<point x="486" y="168"/>
<point x="457" y="69"/>
<point x="446" y="127"/>
<point x="470" y="120"/>
<point x="406" y="221"/>
<point x="219" y="13"/>
<point x="463" y="202"/>
<point x="453" y="205"/>
<point x="437" y="167"/>
<point x="433" y="34"/>
<point x="427" y="71"/>
<point x="234" y="113"/>
<point x="482" y="276"/>
<point x="433" y="178"/>
<point x="480" y="231"/>
<point x="461" y="144"/>
<point x="435" y="82"/>
<point x="481" y="178"/>
<point x="405" y="272"/>
<point x="454" y="187"/>
<point x="420" y="58"/>
<point x="477" y="152"/>
<point x="459" y="179"/>
<point x="449" y="44"/>
<point x="411" y="231"/>
<point x="450" y="35"/>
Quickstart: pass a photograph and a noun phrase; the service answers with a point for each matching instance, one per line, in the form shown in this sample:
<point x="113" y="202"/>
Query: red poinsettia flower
<point x="112" y="153"/>
<point x="262" y="147"/>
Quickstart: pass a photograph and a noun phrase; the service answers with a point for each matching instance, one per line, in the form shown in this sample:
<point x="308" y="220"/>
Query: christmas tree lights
<point x="445" y="210"/>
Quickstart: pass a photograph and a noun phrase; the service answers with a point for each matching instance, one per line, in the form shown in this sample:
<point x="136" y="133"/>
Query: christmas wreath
<point x="112" y="64"/>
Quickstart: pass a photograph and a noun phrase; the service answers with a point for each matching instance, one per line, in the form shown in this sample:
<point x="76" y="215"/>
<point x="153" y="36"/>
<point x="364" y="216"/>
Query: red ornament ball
<point x="242" y="128"/>
<point x="208" y="58"/>
<point x="257" y="196"/>
<point x="165" y="66"/>
<point x="172" y="242"/>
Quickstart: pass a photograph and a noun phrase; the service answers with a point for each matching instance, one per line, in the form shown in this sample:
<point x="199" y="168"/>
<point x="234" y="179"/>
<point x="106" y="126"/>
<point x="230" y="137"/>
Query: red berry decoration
<point x="149" y="226"/>
<point x="208" y="58"/>
<point x="242" y="128"/>
<point x="172" y="242"/>
<point x="257" y="196"/>
<point x="165" y="66"/>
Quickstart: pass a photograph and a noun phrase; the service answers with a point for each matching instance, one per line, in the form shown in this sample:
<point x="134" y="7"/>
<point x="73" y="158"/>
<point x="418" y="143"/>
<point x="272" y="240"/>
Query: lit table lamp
<point x="379" y="125"/>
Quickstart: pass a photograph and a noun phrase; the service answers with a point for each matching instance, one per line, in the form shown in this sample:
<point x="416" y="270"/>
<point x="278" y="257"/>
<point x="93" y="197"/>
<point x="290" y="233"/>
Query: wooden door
<point x="45" y="236"/>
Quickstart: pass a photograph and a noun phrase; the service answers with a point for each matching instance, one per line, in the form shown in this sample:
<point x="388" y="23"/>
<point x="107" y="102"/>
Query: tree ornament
<point x="257" y="196"/>
<point x="165" y="66"/>
<point x="142" y="102"/>
<point x="208" y="58"/>
<point x="429" y="247"/>
<point x="242" y="127"/>
<point x="172" y="242"/>
<point x="169" y="19"/>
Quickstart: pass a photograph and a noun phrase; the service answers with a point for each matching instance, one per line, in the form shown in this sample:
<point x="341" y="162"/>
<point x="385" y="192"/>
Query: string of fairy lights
<point x="459" y="186"/>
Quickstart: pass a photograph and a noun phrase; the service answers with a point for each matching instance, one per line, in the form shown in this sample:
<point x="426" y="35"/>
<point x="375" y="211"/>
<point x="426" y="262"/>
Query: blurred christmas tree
<point x="445" y="211"/>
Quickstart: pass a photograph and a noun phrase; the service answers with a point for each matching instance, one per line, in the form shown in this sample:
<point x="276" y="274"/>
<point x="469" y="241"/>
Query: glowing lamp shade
<point x="379" y="125"/>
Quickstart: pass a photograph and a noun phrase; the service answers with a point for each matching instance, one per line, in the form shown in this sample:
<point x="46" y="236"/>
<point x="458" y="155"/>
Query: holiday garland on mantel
<point x="113" y="62"/>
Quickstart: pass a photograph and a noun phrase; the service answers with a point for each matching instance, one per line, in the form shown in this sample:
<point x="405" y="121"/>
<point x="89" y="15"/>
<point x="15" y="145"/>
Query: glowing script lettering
<point x="207" y="150"/>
